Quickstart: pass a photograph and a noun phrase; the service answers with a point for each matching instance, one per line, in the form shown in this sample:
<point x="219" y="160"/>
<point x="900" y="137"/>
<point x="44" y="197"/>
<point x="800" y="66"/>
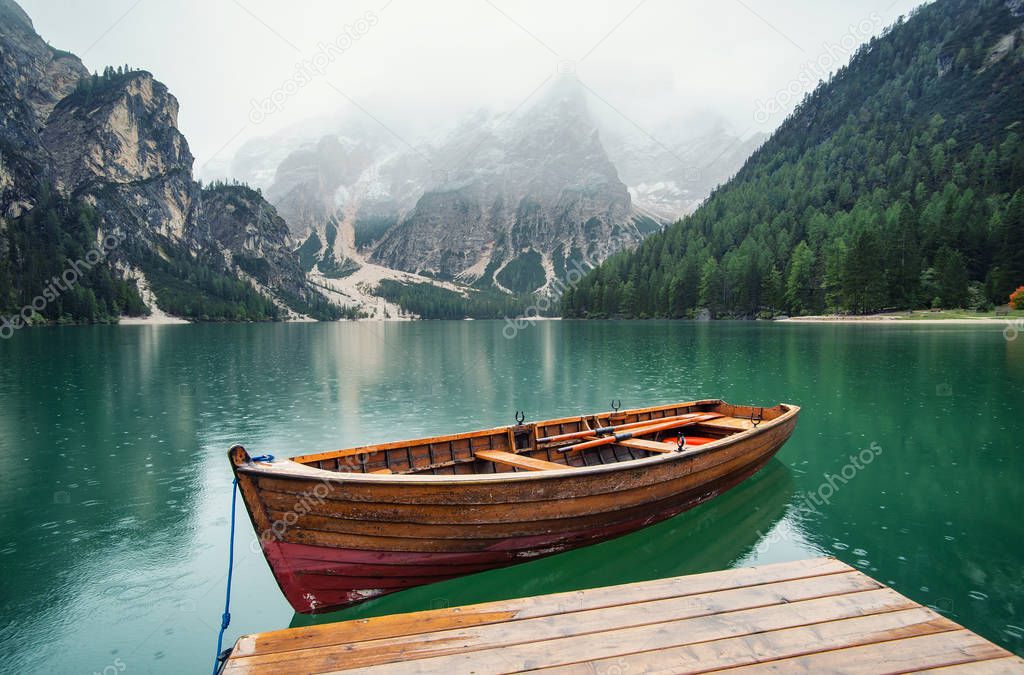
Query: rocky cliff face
<point x="35" y="75"/>
<point x="255" y="240"/>
<point x="33" y="78"/>
<point x="111" y="142"/>
<point x="115" y="143"/>
<point x="130" y="129"/>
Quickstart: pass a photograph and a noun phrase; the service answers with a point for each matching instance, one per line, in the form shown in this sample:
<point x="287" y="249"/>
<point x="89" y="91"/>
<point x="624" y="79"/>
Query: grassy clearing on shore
<point x="958" y="314"/>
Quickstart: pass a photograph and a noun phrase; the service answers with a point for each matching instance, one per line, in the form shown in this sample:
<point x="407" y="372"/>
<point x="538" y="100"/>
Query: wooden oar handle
<point x="601" y="431"/>
<point x="589" y="444"/>
<point x="626" y="435"/>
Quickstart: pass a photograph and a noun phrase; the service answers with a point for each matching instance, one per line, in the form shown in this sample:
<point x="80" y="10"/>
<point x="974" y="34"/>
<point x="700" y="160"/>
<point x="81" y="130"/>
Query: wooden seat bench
<point x="654" y="446"/>
<point x="729" y="424"/>
<point x="649" y="446"/>
<point x="518" y="461"/>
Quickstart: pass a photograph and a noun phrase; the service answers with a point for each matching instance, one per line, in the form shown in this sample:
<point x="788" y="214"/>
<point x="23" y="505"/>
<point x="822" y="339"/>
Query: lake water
<point x="115" y="489"/>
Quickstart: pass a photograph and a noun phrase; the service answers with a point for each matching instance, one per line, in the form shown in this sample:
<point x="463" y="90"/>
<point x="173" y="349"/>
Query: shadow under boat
<point x="712" y="536"/>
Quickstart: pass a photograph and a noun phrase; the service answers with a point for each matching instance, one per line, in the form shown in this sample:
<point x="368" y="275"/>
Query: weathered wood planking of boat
<point x="348" y="525"/>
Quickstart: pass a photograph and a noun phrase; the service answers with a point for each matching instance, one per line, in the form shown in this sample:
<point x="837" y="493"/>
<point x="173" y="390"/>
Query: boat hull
<point x="334" y="541"/>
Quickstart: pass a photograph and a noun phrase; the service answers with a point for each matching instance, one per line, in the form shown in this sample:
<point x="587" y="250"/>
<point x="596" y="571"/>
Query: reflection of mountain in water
<point x="710" y="537"/>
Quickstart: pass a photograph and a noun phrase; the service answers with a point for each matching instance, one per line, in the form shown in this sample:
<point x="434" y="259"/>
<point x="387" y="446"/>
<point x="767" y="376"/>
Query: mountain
<point x="529" y="195"/>
<point x="514" y="204"/>
<point x="256" y="243"/>
<point x="672" y="170"/>
<point x="898" y="183"/>
<point x="500" y="202"/>
<point x="98" y="159"/>
<point x="310" y="183"/>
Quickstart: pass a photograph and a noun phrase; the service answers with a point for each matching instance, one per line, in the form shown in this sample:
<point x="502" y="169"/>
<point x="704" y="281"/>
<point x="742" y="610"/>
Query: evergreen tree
<point x="951" y="277"/>
<point x="710" y="289"/>
<point x="800" y="286"/>
<point x="862" y="278"/>
<point x="773" y="293"/>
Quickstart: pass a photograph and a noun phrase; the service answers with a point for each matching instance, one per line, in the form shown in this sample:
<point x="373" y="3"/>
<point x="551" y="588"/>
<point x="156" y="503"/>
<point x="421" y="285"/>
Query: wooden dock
<point x="810" y="616"/>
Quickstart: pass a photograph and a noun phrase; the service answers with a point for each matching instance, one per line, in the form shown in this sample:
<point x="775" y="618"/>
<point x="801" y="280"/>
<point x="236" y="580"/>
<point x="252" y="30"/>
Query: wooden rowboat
<point x="344" y="526"/>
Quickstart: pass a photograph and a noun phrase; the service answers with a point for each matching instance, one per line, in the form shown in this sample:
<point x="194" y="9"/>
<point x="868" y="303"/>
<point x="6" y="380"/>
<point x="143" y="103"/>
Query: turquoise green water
<point x="115" y="487"/>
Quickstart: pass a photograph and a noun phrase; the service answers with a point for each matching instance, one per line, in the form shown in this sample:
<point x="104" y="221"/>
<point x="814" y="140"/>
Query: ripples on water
<point x="116" y="488"/>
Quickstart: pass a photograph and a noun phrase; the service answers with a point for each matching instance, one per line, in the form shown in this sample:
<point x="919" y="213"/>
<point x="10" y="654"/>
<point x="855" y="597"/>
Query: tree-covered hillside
<point x="897" y="184"/>
<point x="49" y="254"/>
<point x="433" y="302"/>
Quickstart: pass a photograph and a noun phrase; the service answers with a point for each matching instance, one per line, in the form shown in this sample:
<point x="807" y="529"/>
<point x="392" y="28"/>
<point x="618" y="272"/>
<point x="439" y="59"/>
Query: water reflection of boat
<point x="711" y="537"/>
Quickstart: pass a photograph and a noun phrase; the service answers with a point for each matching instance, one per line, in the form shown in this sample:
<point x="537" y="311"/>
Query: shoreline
<point x="889" y="319"/>
<point x="151" y="320"/>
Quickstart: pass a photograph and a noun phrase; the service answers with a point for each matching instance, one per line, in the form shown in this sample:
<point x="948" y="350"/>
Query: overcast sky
<point x="245" y="68"/>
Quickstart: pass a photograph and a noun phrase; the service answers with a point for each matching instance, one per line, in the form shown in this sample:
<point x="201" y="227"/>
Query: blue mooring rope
<point x="225" y="618"/>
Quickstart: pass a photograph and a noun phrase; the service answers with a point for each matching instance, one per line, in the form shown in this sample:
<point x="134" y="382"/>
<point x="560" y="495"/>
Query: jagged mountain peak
<point x="564" y="95"/>
<point x="528" y="193"/>
<point x="496" y="186"/>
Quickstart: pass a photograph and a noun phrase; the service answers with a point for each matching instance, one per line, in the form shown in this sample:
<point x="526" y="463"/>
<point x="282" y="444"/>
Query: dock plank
<point x="816" y="615"/>
<point x="521" y="608"/>
<point x="759" y="647"/>
<point x="531" y="631"/>
<point x="614" y="642"/>
<point x="1005" y="665"/>
<point x="886" y="658"/>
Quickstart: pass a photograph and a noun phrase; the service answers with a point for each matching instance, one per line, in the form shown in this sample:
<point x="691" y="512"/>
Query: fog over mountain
<point x="518" y="195"/>
<point x="421" y="67"/>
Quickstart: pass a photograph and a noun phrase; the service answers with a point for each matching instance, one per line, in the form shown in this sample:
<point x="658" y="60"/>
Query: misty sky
<point x="413" y="66"/>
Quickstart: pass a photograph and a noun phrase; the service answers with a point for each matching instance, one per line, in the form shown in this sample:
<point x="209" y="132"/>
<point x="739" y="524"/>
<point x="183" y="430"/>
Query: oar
<point x="626" y="435"/>
<point x="601" y="431"/>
